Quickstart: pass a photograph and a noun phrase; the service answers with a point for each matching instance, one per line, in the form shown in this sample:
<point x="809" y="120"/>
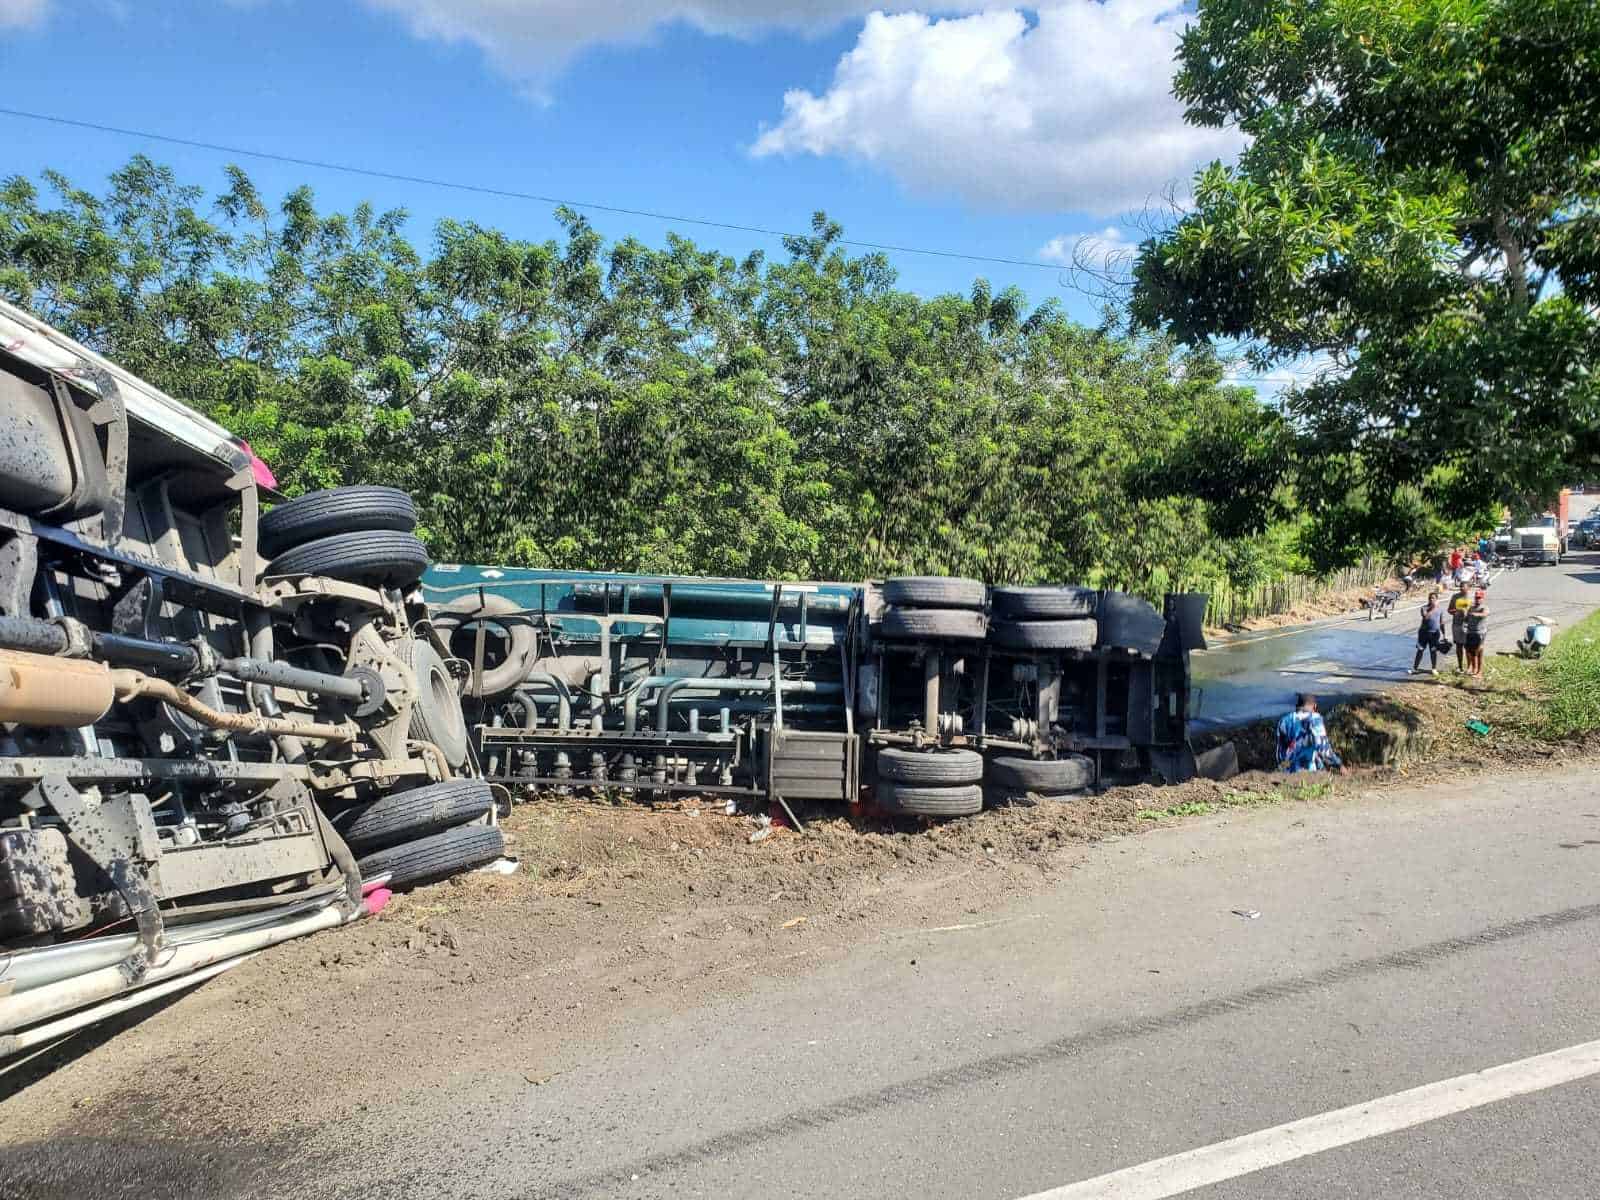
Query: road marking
<point x="1207" y="1165"/>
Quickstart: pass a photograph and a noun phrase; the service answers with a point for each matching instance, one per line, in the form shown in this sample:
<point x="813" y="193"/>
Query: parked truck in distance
<point x="1539" y="536"/>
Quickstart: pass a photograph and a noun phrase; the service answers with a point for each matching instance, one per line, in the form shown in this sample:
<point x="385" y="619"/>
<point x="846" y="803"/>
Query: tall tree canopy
<point x="578" y="404"/>
<point x="1419" y="207"/>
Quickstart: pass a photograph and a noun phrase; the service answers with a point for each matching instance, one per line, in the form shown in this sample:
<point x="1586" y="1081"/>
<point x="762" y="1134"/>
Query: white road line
<point x="1207" y="1165"/>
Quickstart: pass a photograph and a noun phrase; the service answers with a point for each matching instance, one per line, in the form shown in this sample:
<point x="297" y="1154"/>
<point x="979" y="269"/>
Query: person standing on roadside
<point x="1429" y="634"/>
<point x="1456" y="559"/>
<point x="1477" y="630"/>
<point x="1459" y="603"/>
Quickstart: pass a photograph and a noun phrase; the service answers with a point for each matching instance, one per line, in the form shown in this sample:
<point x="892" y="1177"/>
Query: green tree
<point x="1419" y="206"/>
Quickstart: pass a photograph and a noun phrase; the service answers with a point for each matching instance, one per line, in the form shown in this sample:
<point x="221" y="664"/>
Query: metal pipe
<point x="160" y="658"/>
<point x="33" y="635"/>
<point x="51" y="1030"/>
<point x="798" y="686"/>
<point x="631" y="698"/>
<point x="563" y="695"/>
<point x="130" y="685"/>
<point x="258" y="625"/>
<point x="930" y="692"/>
<point x="24" y="970"/>
<point x="41" y="689"/>
<point x="52" y="1000"/>
<point x="277" y="674"/>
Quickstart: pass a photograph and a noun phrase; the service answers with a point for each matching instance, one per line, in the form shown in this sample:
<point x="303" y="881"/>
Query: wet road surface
<point x="1256" y="676"/>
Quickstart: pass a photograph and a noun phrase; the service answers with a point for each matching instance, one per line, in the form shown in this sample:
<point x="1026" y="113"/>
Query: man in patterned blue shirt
<point x="1303" y="739"/>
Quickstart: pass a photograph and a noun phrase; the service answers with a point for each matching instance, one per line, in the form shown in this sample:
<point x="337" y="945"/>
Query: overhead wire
<point x="503" y="193"/>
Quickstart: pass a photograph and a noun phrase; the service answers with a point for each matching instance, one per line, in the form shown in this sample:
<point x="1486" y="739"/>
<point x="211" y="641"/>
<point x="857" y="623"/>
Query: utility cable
<point x="504" y="193"/>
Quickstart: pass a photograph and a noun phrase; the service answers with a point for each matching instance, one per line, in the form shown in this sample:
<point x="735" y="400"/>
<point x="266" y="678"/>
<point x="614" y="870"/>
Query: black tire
<point x="1047" y="776"/>
<point x="437" y="857"/>
<point x="934" y="624"/>
<point x="436" y="715"/>
<point x="336" y="510"/>
<point x="419" y="813"/>
<point x="914" y="801"/>
<point x="378" y="558"/>
<point x="1130" y="623"/>
<point x="491" y="609"/>
<point x="1043" y="603"/>
<point x="1078" y="634"/>
<point x="934" y="591"/>
<point x="930" y="766"/>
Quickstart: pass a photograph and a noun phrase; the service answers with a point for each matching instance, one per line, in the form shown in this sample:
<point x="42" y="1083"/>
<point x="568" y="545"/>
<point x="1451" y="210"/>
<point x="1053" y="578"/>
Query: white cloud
<point x="22" y="14"/>
<point x="1072" y="111"/>
<point x="530" y="39"/>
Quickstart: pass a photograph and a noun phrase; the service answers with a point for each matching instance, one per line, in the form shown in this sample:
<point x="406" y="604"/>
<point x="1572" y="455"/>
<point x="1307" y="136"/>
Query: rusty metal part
<point x="131" y="685"/>
<point x="36" y="689"/>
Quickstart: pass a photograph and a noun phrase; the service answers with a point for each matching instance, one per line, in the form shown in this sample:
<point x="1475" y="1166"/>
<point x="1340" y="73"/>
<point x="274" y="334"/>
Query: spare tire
<point x="419" y="813"/>
<point x="436" y="715"/>
<point x="1043" y="603"/>
<point x="933" y="624"/>
<point x="336" y="510"/>
<point x="520" y="641"/>
<point x="930" y="766"/>
<point x="376" y="558"/>
<point x="1048" y="776"/>
<point x="1078" y="634"/>
<point x="916" y="801"/>
<point x="436" y="857"/>
<point x="934" y="591"/>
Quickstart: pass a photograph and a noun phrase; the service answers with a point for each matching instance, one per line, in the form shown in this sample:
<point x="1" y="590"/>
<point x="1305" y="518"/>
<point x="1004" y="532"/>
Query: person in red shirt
<point x="1455" y="559"/>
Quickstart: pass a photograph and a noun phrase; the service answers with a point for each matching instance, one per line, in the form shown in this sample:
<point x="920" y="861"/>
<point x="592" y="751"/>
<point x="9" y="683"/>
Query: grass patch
<point x="1570" y="672"/>
<point x="1289" y="789"/>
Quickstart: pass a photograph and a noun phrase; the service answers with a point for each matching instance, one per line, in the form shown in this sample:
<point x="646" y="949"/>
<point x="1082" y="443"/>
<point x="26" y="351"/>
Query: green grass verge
<point x="1291" y="789"/>
<point x="1570" y="672"/>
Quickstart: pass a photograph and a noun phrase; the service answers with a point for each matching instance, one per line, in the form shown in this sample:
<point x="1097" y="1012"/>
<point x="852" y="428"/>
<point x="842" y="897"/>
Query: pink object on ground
<point x="376" y="900"/>
<point x="259" y="469"/>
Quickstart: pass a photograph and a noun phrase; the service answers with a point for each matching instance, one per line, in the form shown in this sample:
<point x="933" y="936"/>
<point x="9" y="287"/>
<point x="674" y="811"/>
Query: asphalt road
<point x="1135" y="1011"/>
<point x="1255" y="676"/>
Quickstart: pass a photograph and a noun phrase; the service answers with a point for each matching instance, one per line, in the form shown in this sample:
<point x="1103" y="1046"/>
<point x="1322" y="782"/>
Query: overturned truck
<point x="926" y="696"/>
<point x="218" y="723"/>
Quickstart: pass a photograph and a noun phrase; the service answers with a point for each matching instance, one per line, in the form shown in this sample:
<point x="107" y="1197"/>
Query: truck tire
<point x="419" y="813"/>
<point x="1077" y="634"/>
<point x="1046" y="776"/>
<point x="930" y="766"/>
<point x="1043" y="603"/>
<point x="1130" y="623"/>
<point x="934" y="591"/>
<point x="520" y="640"/>
<point x="437" y="857"/>
<point x="336" y="510"/>
<point x="914" y="801"/>
<point x="376" y="558"/>
<point x="933" y="624"/>
<point x="436" y="715"/>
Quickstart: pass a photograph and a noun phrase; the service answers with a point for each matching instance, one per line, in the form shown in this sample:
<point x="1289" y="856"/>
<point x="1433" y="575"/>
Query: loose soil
<point x="627" y="908"/>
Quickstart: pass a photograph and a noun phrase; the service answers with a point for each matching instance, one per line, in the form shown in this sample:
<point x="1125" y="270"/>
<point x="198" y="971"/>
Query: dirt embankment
<point x="636" y="909"/>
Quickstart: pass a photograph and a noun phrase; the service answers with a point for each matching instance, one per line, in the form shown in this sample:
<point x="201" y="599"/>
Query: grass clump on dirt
<point x="1278" y="791"/>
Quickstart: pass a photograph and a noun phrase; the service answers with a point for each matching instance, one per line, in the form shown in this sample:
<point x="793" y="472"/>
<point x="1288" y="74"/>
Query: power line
<point x="502" y="193"/>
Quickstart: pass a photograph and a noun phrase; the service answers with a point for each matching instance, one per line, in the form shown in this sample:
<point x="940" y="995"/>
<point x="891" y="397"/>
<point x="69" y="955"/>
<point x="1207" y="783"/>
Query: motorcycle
<point x="1382" y="603"/>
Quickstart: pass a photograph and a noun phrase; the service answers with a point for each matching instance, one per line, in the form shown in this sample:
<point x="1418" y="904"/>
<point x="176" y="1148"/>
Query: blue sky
<point x="977" y="126"/>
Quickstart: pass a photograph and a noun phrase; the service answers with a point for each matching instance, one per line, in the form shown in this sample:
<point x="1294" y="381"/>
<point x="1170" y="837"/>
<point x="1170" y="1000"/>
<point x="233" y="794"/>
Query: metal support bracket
<point x="92" y="834"/>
